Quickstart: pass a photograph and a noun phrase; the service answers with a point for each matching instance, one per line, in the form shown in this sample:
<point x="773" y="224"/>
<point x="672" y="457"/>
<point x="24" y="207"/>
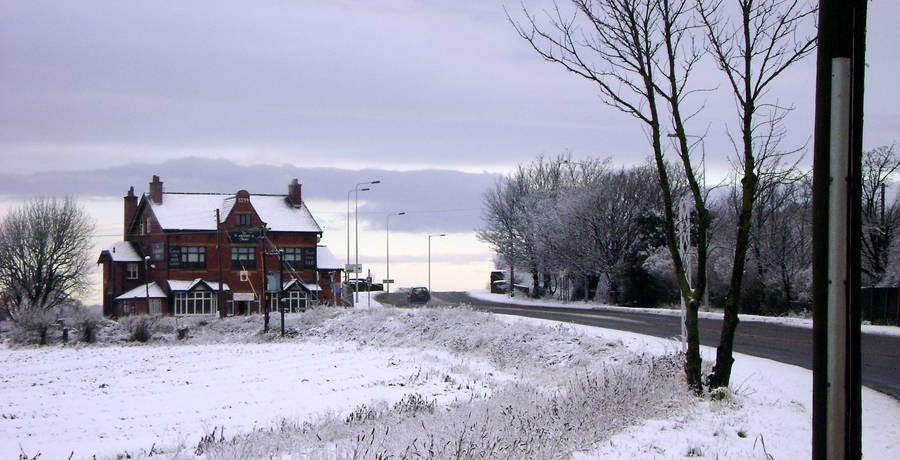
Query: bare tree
<point x="44" y="256"/>
<point x="880" y="211"/>
<point x="505" y="223"/>
<point x="781" y="248"/>
<point x="752" y="48"/>
<point x="610" y="215"/>
<point x="640" y="53"/>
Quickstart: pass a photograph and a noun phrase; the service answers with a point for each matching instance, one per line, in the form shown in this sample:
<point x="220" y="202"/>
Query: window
<point x="242" y="220"/>
<point x="155" y="306"/>
<point x="195" y="303"/>
<point x="189" y="257"/>
<point x="299" y="258"/>
<point x="294" y="302"/>
<point x="292" y="258"/>
<point x="243" y="257"/>
<point x="132" y="271"/>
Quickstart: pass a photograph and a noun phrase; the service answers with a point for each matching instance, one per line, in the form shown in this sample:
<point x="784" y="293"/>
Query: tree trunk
<point x="721" y="375"/>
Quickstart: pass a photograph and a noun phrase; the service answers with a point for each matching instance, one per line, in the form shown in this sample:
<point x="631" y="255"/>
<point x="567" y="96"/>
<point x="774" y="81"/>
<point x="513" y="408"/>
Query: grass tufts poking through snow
<point x="534" y="391"/>
<point x="518" y="421"/>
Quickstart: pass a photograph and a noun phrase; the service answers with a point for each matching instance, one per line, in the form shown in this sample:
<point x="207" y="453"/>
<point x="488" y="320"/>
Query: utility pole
<point x="265" y="283"/>
<point x="837" y="230"/>
<point x="220" y="297"/>
<point x="281" y="299"/>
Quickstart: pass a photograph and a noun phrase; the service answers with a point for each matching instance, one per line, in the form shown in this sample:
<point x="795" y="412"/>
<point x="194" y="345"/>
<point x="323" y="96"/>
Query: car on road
<point x="419" y="295"/>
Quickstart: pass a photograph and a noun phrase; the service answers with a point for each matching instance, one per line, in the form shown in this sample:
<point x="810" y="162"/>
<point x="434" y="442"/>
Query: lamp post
<point x="429" y="259"/>
<point x="388" y="281"/>
<point x="355" y="192"/>
<point x="147" y="282"/>
<point x="356" y="230"/>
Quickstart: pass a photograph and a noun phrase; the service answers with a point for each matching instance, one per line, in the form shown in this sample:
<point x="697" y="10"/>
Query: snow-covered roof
<point x="326" y="260"/>
<point x="142" y="292"/>
<point x="197" y="211"/>
<point x="187" y="285"/>
<point x="312" y="287"/>
<point x="123" y="251"/>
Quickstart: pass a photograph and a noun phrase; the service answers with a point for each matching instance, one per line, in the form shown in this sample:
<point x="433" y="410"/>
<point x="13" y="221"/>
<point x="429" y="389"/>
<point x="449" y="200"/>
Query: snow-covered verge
<point x="398" y="382"/>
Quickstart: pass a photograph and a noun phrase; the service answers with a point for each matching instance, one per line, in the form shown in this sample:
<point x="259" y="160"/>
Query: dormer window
<point x="242" y="220"/>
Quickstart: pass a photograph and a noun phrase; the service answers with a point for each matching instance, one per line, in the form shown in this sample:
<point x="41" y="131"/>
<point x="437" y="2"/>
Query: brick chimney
<point x="156" y="190"/>
<point x="294" y="193"/>
<point x="130" y="208"/>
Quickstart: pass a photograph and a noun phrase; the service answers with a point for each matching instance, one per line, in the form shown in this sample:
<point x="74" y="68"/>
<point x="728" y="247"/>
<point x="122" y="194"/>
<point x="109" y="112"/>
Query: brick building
<point x="190" y="253"/>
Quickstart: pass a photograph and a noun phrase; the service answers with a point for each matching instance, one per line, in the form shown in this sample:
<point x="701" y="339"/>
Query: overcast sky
<point x="217" y="96"/>
<point x="393" y="84"/>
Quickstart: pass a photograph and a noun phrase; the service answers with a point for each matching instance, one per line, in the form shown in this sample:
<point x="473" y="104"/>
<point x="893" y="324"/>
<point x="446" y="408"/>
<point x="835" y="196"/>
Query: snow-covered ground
<point x="109" y="400"/>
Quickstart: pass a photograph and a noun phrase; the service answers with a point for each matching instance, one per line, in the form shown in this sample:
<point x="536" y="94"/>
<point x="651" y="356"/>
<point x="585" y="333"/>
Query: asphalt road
<point x="786" y="344"/>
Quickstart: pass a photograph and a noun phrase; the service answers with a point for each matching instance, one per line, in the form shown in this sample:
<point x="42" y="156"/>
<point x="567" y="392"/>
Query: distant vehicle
<point x="419" y="295"/>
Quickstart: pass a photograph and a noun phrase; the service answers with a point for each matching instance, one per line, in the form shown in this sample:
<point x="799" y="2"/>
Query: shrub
<point x="140" y="327"/>
<point x="32" y="323"/>
<point x="88" y="321"/>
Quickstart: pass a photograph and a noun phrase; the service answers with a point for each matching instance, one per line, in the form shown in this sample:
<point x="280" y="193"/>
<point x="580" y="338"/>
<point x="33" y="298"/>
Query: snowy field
<point x="164" y="397"/>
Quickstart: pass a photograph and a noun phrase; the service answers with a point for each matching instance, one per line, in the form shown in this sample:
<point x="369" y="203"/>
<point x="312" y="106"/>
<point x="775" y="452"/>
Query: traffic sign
<point x="353" y="268"/>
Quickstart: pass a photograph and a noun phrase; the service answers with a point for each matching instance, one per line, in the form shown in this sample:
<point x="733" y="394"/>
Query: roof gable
<point x="143" y="291"/>
<point x="326" y="260"/>
<point x="195" y="285"/>
<point x="121" y="251"/>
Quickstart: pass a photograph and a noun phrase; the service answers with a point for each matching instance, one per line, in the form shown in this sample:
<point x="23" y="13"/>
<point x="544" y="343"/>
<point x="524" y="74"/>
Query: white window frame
<point x="131" y="271"/>
<point x="297" y="302"/>
<point x="155" y="306"/>
<point x="195" y="303"/>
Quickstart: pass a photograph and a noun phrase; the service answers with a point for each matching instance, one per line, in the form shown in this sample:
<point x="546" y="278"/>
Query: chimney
<point x="294" y="193"/>
<point x="156" y="190"/>
<point x="130" y="209"/>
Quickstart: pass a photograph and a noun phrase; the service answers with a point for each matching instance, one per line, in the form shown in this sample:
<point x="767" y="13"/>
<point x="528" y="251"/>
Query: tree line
<point x="586" y="230"/>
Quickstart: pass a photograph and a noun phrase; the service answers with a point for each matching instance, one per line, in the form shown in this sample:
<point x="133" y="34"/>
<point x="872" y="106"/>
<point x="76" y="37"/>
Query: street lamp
<point x="388" y="280"/>
<point x="429" y="259"/>
<point x="355" y="192"/>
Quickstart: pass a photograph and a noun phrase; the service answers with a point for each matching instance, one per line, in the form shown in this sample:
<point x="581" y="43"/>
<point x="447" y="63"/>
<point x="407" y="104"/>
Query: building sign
<point x="174" y="257"/>
<point x="309" y="258"/>
<point x="244" y="236"/>
<point x="274" y="282"/>
<point x="244" y="297"/>
<point x="158" y="252"/>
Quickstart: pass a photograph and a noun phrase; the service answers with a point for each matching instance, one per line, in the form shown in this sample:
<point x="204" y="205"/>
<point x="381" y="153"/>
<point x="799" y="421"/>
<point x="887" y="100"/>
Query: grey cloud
<point x="435" y="200"/>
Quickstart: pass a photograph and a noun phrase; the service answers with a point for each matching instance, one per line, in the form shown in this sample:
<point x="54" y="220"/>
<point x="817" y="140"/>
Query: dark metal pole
<point x="147" y="282"/>
<point x="281" y="300"/>
<point x="837" y="230"/>
<point x="220" y="296"/>
<point x="265" y="283"/>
